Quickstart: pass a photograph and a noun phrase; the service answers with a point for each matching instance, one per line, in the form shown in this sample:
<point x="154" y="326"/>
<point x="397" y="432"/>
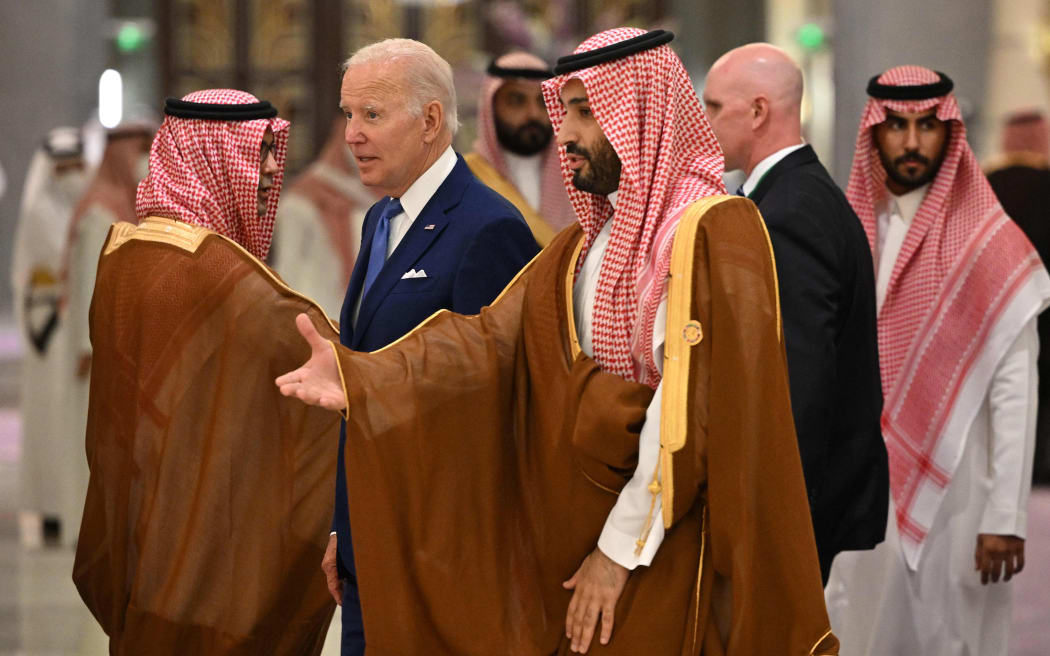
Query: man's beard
<point x="604" y="165"/>
<point x="929" y="172"/>
<point x="526" y="139"/>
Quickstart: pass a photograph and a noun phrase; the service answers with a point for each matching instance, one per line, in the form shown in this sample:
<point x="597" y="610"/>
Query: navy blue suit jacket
<point x="470" y="241"/>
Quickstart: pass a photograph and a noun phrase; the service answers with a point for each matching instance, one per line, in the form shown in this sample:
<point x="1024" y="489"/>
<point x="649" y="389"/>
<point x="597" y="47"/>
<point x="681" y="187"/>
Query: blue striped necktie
<point x="377" y="252"/>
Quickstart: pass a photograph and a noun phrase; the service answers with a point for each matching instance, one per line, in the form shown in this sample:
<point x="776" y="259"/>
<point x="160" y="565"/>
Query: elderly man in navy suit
<point x="440" y="239"/>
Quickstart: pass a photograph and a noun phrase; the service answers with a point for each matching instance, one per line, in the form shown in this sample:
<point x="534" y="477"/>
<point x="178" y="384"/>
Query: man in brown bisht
<point x="515" y="154"/>
<point x="613" y="436"/>
<point x="209" y="493"/>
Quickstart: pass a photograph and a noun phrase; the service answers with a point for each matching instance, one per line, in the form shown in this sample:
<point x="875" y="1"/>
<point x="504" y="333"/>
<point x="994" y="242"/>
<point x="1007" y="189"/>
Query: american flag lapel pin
<point x="429" y="226"/>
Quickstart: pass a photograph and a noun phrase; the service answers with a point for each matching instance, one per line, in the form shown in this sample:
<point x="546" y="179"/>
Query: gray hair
<point x="429" y="77"/>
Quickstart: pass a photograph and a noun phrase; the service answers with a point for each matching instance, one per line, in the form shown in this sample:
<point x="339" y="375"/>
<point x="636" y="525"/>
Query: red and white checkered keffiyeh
<point x="554" y="204"/>
<point x="963" y="286"/>
<point x="206" y="172"/>
<point x="649" y="112"/>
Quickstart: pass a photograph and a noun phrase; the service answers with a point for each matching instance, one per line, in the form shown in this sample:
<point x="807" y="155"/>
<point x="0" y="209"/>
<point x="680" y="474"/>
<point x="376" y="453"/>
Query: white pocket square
<point x="412" y="273"/>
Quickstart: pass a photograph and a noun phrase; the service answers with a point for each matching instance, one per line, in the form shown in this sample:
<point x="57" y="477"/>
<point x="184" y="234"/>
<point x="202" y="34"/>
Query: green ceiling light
<point x="130" y="37"/>
<point x="810" y="36"/>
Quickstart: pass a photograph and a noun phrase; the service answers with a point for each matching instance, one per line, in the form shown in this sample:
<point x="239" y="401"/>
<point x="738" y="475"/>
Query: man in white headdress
<point x="57" y="177"/>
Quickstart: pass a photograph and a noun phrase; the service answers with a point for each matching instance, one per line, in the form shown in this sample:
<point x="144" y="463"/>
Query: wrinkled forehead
<point x="372" y="81"/>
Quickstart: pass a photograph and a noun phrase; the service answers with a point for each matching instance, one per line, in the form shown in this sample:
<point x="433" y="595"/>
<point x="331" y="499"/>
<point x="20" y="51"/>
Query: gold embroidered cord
<point x="654" y="492"/>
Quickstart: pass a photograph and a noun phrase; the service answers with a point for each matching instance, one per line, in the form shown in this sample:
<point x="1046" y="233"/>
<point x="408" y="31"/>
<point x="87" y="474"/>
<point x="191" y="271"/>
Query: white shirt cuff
<point x="620" y="547"/>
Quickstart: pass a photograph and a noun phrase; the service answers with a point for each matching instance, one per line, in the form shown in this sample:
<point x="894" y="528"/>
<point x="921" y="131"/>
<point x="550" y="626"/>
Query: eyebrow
<point x="577" y="100"/>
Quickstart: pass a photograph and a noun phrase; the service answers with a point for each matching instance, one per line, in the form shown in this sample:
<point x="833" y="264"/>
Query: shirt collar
<point x="516" y="161"/>
<point x="612" y="198"/>
<point x="423" y="189"/>
<point x="907" y="205"/>
<point x="763" y="167"/>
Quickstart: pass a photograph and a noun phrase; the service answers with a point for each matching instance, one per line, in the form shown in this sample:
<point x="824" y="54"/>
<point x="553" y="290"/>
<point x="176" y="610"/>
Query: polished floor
<point x="41" y="614"/>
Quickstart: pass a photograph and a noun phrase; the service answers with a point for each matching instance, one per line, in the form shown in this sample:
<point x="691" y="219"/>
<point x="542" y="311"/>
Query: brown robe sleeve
<point x="210" y="494"/>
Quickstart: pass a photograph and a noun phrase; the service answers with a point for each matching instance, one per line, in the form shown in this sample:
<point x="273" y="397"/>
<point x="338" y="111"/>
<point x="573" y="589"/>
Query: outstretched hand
<point x="317" y="382"/>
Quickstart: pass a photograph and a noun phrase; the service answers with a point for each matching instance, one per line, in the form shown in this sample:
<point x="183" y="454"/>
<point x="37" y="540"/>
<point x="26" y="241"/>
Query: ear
<point x="433" y="121"/>
<point x="759" y="112"/>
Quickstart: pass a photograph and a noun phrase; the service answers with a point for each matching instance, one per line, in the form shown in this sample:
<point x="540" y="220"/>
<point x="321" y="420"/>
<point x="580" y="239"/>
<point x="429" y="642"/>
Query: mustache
<point x="911" y="157"/>
<point x="572" y="149"/>
<point x="532" y="125"/>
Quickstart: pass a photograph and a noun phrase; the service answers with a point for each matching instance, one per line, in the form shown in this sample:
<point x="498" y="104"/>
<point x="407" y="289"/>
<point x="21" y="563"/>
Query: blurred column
<point x="953" y="36"/>
<point x="1020" y="51"/>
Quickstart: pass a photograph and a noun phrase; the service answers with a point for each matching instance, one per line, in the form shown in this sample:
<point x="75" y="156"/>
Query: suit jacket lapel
<point x="415" y="242"/>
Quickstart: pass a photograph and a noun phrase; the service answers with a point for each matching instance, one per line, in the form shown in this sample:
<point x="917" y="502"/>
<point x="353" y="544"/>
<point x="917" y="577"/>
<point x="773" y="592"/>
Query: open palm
<point x="317" y="382"/>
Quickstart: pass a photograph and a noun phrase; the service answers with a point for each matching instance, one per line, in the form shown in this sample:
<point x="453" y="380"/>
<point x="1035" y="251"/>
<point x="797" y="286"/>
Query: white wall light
<point x="110" y="98"/>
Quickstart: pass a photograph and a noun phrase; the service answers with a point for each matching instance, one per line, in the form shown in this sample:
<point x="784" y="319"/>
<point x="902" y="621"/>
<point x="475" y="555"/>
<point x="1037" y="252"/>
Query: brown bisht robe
<point x="484" y="454"/>
<point x="210" y="497"/>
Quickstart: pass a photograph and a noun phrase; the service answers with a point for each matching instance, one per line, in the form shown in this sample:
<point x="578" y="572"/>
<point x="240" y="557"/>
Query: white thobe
<point x="876" y="603"/>
<point x="526" y="173"/>
<point x="49" y="446"/>
<point x="625" y="524"/>
<point x="70" y="468"/>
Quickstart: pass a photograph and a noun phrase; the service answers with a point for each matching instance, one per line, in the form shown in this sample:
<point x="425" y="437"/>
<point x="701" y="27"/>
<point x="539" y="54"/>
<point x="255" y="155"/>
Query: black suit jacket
<point x="827" y="298"/>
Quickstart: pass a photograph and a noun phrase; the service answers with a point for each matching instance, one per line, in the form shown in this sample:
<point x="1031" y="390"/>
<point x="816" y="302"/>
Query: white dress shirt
<point x="525" y="173"/>
<point x="894" y="219"/>
<point x="413" y="201"/>
<point x="626" y="521"/>
<point x="762" y="168"/>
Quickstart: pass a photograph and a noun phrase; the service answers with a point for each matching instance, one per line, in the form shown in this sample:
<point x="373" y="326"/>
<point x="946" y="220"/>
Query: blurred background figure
<point x="50" y="501"/>
<point x="1020" y="177"/>
<point x="109" y="198"/>
<point x="515" y="153"/>
<point x="318" y="230"/>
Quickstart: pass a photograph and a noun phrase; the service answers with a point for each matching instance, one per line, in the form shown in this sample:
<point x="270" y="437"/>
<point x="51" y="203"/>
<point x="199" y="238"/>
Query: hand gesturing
<point x="317" y="382"/>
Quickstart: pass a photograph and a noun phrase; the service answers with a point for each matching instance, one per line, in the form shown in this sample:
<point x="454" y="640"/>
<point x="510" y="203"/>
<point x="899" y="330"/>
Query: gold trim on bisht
<point x="683" y="333"/>
<point x="182" y="235"/>
<point x="345" y="412"/>
<point x="189" y="237"/>
<point x="570" y="280"/>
